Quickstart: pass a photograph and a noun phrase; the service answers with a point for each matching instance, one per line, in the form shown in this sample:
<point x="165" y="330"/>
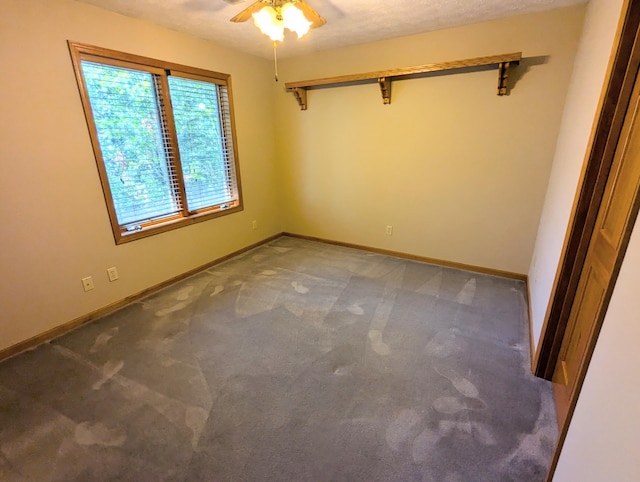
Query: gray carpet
<point x="297" y="361"/>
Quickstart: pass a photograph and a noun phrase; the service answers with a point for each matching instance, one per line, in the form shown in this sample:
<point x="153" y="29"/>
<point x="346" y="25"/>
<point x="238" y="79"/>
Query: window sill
<point x="122" y="237"/>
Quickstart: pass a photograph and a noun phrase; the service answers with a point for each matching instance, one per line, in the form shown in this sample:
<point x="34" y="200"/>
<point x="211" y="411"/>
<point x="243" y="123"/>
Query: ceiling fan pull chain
<point x="275" y="59"/>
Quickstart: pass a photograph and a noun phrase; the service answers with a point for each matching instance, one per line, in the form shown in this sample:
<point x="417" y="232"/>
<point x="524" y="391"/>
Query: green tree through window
<point x="200" y="139"/>
<point x="163" y="139"/>
<point x="129" y="130"/>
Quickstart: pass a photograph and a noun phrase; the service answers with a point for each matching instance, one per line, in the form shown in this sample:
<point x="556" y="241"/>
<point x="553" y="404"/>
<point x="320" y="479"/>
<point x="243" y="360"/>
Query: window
<point x="163" y="137"/>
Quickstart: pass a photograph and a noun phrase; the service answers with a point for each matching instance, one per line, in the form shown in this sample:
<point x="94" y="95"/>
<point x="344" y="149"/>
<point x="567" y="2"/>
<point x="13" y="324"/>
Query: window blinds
<point x="134" y="144"/>
<point x="206" y="154"/>
<point x="162" y="162"/>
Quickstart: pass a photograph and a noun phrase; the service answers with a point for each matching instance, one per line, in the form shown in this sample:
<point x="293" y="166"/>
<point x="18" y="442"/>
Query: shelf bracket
<point x="301" y="96"/>
<point x="503" y="78"/>
<point x="385" y="89"/>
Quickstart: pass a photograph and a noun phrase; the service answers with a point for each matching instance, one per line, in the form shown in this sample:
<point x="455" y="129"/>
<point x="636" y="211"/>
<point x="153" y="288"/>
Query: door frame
<point x="614" y="103"/>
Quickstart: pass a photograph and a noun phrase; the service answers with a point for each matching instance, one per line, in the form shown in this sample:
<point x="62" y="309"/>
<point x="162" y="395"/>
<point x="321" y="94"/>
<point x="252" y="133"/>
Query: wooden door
<point x="614" y="221"/>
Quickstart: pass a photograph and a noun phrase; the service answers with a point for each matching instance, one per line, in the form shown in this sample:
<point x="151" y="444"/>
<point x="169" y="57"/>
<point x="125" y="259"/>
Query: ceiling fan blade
<point x="311" y="15"/>
<point x="250" y="10"/>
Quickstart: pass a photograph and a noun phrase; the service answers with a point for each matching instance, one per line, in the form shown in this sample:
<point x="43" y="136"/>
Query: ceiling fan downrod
<point x="275" y="59"/>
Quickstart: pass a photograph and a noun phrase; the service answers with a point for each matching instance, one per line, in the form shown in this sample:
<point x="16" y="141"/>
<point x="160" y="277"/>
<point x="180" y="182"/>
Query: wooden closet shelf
<point x="384" y="77"/>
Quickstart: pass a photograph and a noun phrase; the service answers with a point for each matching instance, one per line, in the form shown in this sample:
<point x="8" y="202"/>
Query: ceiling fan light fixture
<point x="295" y="20"/>
<point x="273" y="16"/>
<point x="273" y="19"/>
<point x="267" y="21"/>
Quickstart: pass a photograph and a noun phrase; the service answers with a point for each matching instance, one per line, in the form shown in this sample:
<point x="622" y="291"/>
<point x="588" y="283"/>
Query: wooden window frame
<point x="80" y="52"/>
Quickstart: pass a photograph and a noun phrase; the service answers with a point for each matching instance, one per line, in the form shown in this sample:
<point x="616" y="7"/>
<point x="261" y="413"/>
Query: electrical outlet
<point x="389" y="230"/>
<point x="87" y="283"/>
<point x="254" y="224"/>
<point x="112" y="273"/>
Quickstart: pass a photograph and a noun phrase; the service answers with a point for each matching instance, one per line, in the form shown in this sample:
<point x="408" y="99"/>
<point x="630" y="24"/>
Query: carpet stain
<point x="356" y="309"/>
<point x="483" y="434"/>
<point x="253" y="299"/>
<point x="432" y="286"/>
<point x="377" y="345"/>
<point x="184" y="293"/>
<point x="464" y="429"/>
<point x="400" y="430"/>
<point x="172" y="309"/>
<point x="299" y="287"/>
<point x="103" y="338"/>
<point x="87" y="433"/>
<point x="195" y="418"/>
<point x="468" y="293"/>
<point x="295" y="309"/>
<point x="444" y="344"/>
<point x="379" y="323"/>
<point x="462" y="385"/>
<point x="109" y="370"/>
<point x="451" y="405"/>
<point x="341" y="370"/>
<point x="217" y="290"/>
<point x="269" y="272"/>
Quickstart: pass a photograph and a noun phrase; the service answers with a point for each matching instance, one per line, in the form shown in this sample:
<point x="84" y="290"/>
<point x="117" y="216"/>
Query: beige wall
<point x="603" y="442"/>
<point x="582" y="103"/>
<point x="459" y="172"/>
<point x="55" y="228"/>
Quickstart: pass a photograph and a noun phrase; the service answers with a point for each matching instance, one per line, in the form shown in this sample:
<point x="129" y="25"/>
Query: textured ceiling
<point x="349" y="22"/>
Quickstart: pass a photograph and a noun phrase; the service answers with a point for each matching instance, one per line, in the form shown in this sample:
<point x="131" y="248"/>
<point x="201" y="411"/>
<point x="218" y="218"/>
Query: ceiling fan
<point x="273" y="16"/>
<point x="277" y="5"/>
